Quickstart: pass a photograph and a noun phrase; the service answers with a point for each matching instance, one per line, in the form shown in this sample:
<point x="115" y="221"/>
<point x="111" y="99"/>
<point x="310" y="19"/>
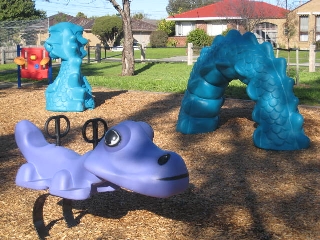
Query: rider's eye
<point x="163" y="159"/>
<point x="112" y="138"/>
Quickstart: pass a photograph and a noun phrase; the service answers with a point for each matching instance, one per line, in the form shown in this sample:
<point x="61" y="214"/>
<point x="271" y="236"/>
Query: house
<point x="141" y="29"/>
<point x="86" y="23"/>
<point x="307" y="19"/>
<point x="237" y="14"/>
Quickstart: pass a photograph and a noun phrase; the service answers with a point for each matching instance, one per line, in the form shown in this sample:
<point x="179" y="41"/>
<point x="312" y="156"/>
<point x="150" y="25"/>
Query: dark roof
<point x="233" y="8"/>
<point x="87" y="23"/>
<point x="62" y="17"/>
<point x="142" y="26"/>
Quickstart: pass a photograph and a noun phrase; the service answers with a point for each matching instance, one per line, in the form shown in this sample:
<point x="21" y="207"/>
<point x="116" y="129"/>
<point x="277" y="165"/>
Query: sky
<point x="152" y="9"/>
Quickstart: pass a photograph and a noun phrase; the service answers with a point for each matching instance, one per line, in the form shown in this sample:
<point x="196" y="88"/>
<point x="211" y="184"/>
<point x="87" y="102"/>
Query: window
<point x="266" y="32"/>
<point x="183" y="28"/>
<point x="304" y="22"/>
<point x="215" y="28"/>
<point x="318" y="28"/>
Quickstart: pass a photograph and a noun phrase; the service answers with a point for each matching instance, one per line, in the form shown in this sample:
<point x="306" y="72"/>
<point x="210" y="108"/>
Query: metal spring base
<point x="38" y="221"/>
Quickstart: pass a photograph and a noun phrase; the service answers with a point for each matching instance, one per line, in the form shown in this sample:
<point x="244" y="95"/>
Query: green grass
<point x="173" y="77"/>
<point x="303" y="56"/>
<point x="170" y="77"/>
<point x="158" y="53"/>
<point x="150" y="53"/>
<point x="9" y="66"/>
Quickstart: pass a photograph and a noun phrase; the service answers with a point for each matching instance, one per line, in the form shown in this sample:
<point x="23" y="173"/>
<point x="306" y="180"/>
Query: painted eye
<point x="163" y="159"/>
<point x="112" y="138"/>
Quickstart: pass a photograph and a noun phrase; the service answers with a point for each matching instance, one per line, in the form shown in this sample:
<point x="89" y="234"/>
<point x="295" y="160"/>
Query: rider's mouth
<point x="185" y="175"/>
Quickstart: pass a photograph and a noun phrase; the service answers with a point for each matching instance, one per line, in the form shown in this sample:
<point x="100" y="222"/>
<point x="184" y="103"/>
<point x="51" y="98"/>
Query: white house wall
<point x="183" y="28"/>
<point x="142" y="37"/>
<point x="214" y="28"/>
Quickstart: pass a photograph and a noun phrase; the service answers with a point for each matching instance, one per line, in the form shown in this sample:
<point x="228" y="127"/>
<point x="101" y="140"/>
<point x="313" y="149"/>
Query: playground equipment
<point x="125" y="157"/>
<point x="33" y="63"/>
<point x="70" y="91"/>
<point x="236" y="56"/>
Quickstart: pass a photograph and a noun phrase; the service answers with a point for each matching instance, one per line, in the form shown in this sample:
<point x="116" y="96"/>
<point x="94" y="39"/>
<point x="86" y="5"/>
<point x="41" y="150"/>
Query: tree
<point x="22" y="14"/>
<point x="290" y="27"/>
<point x="247" y="11"/>
<point x="127" y="53"/>
<point x="107" y="29"/>
<point x="81" y="15"/>
<point x="178" y="6"/>
<point x="19" y="10"/>
<point x="167" y="26"/>
<point x="139" y="16"/>
<point x="60" y="17"/>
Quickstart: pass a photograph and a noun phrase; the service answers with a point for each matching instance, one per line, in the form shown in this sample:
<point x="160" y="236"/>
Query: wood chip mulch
<point x="237" y="191"/>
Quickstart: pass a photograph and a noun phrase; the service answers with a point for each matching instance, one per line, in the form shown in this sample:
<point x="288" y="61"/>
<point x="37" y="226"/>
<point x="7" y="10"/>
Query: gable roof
<point x="54" y="19"/>
<point x="142" y="26"/>
<point x="87" y="23"/>
<point x="227" y="9"/>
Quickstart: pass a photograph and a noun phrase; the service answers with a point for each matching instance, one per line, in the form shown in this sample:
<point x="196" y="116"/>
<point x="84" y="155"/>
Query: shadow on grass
<point x="98" y="69"/>
<point x="144" y="68"/>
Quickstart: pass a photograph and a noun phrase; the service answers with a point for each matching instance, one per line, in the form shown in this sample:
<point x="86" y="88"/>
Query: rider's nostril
<point x="163" y="159"/>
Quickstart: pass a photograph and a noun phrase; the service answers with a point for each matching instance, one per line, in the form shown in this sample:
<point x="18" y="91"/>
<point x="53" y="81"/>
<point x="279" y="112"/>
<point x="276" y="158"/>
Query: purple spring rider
<point x="126" y="157"/>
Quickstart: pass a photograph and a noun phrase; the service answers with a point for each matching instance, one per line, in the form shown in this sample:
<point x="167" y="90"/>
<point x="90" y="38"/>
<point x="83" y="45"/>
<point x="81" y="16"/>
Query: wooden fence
<point x="7" y="54"/>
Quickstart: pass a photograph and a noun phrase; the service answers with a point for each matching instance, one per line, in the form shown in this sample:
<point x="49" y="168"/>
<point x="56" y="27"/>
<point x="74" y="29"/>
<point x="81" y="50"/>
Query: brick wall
<point x="181" y="40"/>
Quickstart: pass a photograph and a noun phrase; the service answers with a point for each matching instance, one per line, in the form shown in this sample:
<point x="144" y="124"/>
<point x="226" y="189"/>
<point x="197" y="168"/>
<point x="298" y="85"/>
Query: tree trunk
<point x="127" y="53"/>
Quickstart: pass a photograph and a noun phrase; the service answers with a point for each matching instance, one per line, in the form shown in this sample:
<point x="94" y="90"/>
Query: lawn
<point x="171" y="77"/>
<point x="150" y="53"/>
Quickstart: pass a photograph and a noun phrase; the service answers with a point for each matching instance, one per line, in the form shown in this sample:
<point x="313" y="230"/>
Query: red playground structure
<point x="33" y="63"/>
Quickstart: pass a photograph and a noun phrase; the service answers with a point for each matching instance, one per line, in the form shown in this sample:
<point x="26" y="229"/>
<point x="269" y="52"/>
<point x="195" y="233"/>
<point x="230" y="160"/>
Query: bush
<point x="199" y="38"/>
<point x="172" y="43"/>
<point x="225" y="32"/>
<point x="158" y="38"/>
<point x="167" y="26"/>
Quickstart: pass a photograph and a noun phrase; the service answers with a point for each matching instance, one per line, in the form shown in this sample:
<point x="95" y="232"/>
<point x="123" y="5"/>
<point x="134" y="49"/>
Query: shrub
<point x="172" y="43"/>
<point x="199" y="38"/>
<point x="158" y="38"/>
<point x="211" y="38"/>
<point x="225" y="32"/>
<point x="167" y="26"/>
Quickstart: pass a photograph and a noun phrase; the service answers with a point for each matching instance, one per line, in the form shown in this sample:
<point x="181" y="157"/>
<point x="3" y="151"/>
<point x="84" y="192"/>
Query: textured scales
<point x="236" y="56"/>
<point x="70" y="91"/>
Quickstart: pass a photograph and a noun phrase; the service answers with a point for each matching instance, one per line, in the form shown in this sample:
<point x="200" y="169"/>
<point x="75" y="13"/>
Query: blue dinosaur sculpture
<point x="70" y="91"/>
<point x="126" y="157"/>
<point x="236" y="56"/>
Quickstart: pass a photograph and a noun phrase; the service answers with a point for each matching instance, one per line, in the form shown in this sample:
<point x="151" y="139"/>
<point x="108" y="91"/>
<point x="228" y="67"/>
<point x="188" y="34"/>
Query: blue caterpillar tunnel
<point x="236" y="56"/>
